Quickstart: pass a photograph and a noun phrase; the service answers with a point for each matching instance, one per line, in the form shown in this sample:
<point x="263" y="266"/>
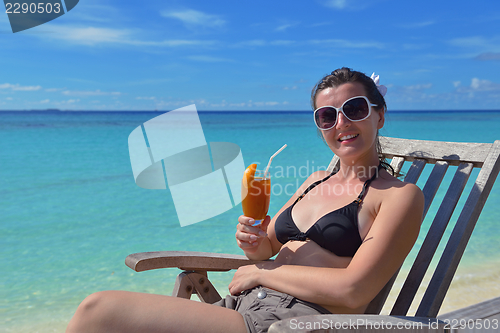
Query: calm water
<point x="71" y="212"/>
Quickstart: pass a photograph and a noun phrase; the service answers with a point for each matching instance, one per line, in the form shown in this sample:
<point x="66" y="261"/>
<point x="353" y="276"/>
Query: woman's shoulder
<point x="398" y="190"/>
<point x="399" y="203"/>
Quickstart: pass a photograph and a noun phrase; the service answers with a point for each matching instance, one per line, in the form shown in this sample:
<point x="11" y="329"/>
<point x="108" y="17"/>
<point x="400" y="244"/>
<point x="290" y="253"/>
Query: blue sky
<point x="251" y="55"/>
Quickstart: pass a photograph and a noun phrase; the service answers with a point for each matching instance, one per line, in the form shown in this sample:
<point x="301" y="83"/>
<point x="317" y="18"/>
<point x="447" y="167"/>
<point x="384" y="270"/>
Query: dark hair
<point x="347" y="75"/>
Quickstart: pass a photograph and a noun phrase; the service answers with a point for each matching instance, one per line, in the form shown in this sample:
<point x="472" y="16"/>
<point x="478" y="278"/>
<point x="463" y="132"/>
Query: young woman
<point x="338" y="240"/>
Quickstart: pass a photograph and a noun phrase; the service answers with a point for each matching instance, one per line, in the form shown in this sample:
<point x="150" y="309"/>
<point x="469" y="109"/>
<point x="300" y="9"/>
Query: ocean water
<point x="71" y="212"/>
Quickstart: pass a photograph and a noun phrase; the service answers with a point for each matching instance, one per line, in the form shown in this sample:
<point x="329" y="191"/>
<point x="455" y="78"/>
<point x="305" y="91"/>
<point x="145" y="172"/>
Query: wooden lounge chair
<point x="418" y="153"/>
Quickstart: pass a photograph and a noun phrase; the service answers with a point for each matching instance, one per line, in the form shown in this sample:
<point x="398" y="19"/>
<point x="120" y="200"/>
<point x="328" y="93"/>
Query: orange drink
<point x="255" y="194"/>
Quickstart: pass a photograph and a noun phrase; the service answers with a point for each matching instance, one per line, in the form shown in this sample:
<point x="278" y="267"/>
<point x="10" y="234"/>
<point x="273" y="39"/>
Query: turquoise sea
<point x="71" y="212"/>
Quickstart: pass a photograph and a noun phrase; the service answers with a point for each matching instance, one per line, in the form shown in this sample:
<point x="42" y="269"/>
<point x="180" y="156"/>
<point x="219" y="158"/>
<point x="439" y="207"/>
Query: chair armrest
<point x="357" y="323"/>
<point x="188" y="261"/>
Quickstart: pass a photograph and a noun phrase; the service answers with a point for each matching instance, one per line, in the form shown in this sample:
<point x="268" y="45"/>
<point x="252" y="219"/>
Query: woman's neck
<point x="359" y="170"/>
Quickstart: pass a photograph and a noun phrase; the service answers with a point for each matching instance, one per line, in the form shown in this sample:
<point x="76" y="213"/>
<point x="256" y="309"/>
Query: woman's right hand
<point x="250" y="237"/>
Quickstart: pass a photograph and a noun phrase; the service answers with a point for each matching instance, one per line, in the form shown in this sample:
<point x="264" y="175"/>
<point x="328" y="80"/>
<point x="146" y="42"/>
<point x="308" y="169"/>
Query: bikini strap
<point x="313" y="185"/>
<point x="358" y="200"/>
<point x="360" y="197"/>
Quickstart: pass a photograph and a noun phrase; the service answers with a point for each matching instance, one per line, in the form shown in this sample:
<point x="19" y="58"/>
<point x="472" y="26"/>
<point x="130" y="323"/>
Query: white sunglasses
<point x="355" y="109"/>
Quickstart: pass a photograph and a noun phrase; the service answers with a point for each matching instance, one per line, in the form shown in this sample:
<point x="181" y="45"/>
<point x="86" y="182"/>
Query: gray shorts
<point x="260" y="307"/>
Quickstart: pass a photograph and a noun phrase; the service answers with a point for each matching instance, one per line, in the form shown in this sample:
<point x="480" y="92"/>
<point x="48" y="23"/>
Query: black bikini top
<point x="336" y="231"/>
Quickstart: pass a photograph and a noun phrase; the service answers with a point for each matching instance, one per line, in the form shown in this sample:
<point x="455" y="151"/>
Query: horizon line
<point x="245" y="111"/>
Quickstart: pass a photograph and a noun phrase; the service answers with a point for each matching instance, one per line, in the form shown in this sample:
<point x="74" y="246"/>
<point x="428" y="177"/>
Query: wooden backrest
<point x="466" y="156"/>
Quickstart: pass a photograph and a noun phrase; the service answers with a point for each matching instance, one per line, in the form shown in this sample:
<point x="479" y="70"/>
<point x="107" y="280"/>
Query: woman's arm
<point x="260" y="243"/>
<point x="388" y="242"/>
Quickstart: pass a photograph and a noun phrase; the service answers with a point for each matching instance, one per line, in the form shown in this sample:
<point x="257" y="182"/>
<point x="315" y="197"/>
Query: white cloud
<point x="92" y="36"/>
<point x="413" y="93"/>
<point x="483" y="94"/>
<point x="484" y="85"/>
<point x="272" y="103"/>
<point x="284" y="27"/>
<point x="178" y="102"/>
<point x="348" y="44"/>
<point x="18" y="87"/>
<point x="417" y="87"/>
<point x="97" y="13"/>
<point x="338" y="43"/>
<point x="152" y="98"/>
<point x="203" y="58"/>
<point x="65" y="102"/>
<point x="281" y="42"/>
<point x="417" y="25"/>
<point x="249" y="104"/>
<point x="321" y="24"/>
<point x="251" y="43"/>
<point x="337" y="4"/>
<point x="488" y="56"/>
<point x="409" y="46"/>
<point x="45" y="101"/>
<point x="221" y="104"/>
<point x="193" y="18"/>
<point x="261" y="42"/>
<point x="90" y="93"/>
<point x="242" y="104"/>
<point x="176" y="42"/>
<point x="477" y="86"/>
<point x="348" y="4"/>
<point x="478" y="43"/>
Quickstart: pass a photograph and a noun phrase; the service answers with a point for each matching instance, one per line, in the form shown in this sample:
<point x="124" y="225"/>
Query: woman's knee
<point x="92" y="301"/>
<point x="92" y="312"/>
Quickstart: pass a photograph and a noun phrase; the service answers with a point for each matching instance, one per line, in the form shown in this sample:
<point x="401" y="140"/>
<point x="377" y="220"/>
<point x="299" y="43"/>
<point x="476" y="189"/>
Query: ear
<point x="381" y="119"/>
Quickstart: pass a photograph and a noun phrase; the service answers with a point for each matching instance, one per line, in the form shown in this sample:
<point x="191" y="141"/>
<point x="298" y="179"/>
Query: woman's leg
<point x="122" y="311"/>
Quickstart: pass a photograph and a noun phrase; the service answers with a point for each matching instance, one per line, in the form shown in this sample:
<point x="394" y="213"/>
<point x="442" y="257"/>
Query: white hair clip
<point x="381" y="88"/>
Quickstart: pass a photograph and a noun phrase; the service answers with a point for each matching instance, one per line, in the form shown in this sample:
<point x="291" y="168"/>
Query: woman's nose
<point x="342" y="120"/>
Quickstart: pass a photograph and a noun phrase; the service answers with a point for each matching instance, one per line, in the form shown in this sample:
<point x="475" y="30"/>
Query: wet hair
<point x="346" y="75"/>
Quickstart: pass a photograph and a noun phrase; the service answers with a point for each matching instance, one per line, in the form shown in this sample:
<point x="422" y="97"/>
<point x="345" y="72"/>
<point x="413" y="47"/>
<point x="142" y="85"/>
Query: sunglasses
<point x="355" y="109"/>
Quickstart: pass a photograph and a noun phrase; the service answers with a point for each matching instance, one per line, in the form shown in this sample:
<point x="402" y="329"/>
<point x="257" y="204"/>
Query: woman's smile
<point x="347" y="138"/>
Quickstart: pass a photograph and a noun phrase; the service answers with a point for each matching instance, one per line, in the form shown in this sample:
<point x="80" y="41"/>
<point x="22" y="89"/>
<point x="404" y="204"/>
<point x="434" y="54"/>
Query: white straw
<point x="271" y="159"/>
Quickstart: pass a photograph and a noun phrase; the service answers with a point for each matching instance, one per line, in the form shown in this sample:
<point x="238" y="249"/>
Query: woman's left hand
<point x="246" y="277"/>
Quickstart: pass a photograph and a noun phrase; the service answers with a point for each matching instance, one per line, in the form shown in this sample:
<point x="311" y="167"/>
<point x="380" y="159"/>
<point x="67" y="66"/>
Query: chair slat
<point x="441" y="280"/>
<point x="431" y="242"/>
<point x="415" y="170"/>
<point x="397" y="163"/>
<point x="334" y="164"/>
<point x="433" y="183"/>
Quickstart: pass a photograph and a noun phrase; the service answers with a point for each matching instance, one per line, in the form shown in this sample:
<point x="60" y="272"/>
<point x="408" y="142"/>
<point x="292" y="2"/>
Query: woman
<point x="338" y="240"/>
